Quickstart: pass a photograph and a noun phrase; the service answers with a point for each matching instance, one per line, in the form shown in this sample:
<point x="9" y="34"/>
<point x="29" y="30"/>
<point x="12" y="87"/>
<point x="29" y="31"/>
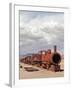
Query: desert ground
<point x="41" y="73"/>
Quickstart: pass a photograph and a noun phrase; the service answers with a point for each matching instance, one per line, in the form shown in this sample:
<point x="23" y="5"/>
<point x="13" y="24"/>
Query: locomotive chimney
<point x="55" y="48"/>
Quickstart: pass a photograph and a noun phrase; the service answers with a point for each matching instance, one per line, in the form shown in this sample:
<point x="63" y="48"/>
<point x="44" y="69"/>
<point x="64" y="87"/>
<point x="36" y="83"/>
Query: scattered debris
<point x="30" y="69"/>
<point x="20" y="66"/>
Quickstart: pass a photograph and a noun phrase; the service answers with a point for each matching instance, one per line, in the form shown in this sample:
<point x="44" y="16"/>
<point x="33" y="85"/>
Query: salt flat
<point x="42" y="73"/>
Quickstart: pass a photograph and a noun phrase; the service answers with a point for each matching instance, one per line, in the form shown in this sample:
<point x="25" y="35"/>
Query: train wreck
<point x="45" y="59"/>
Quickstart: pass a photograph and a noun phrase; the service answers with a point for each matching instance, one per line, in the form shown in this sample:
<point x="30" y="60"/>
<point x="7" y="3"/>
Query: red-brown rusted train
<point x="45" y="59"/>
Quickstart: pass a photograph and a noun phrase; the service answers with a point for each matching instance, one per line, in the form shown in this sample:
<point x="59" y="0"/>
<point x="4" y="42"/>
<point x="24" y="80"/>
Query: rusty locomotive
<point x="45" y="59"/>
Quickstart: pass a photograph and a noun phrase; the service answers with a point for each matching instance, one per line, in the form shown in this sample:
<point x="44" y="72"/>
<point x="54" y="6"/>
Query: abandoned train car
<point x="46" y="59"/>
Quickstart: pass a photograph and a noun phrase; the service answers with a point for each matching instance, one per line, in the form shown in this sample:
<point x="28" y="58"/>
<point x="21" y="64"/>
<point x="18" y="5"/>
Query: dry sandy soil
<point x="42" y="73"/>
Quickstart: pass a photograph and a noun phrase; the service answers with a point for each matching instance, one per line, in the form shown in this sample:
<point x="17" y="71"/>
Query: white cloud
<point x="40" y="31"/>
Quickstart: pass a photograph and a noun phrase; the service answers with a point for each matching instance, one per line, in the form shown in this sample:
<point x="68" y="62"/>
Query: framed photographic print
<point x="38" y="45"/>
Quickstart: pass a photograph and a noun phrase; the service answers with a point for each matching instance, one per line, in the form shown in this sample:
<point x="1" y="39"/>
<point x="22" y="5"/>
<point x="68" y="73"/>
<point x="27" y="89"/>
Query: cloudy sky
<point x="40" y="31"/>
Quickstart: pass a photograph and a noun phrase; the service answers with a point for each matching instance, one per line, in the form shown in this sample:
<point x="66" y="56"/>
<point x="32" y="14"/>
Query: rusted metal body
<point x="45" y="59"/>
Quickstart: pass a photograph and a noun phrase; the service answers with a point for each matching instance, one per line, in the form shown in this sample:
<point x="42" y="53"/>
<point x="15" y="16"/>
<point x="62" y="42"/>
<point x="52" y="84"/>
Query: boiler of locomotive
<point x="56" y="57"/>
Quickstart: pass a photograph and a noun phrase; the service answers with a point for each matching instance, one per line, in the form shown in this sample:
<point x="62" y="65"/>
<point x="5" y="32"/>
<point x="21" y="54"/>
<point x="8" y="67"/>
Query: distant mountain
<point x="29" y="54"/>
